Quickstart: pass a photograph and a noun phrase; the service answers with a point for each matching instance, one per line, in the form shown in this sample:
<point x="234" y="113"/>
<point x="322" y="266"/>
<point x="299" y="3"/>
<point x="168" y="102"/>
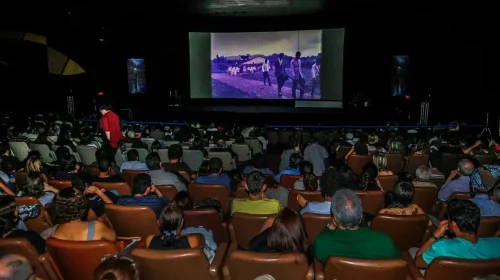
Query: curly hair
<point x="34" y="185"/>
<point x="310" y="182"/>
<point x="7" y="214"/>
<point x="70" y="205"/>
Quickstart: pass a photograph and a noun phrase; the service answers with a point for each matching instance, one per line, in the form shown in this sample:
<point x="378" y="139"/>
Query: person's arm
<point x="106" y="233"/>
<point x="349" y="153"/>
<point x="194" y="240"/>
<point x="447" y="189"/>
<point x="156" y="191"/>
<point x="100" y="193"/>
<point x="48" y="188"/>
<point x="426" y="248"/>
<point x="477" y="144"/>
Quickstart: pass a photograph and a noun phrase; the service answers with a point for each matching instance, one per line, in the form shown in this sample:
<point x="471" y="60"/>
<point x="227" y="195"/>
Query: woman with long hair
<point x="308" y="181"/>
<point x="399" y="201"/>
<point x="380" y="160"/>
<point x="35" y="186"/>
<point x="34" y="164"/>
<point x="369" y="178"/>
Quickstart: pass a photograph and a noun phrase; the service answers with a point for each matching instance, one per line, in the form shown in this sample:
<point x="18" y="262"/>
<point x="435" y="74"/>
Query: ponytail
<point x="365" y="181"/>
<point x="169" y="238"/>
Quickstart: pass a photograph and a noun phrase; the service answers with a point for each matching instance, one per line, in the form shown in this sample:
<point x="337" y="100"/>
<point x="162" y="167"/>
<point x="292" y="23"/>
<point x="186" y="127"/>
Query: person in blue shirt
<point x="482" y="182"/>
<point x="329" y="183"/>
<point x="133" y="162"/>
<point x="293" y="168"/>
<point x="215" y="177"/>
<point x="463" y="221"/>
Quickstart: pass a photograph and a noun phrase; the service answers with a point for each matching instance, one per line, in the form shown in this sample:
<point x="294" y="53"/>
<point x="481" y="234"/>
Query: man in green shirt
<point x="343" y="237"/>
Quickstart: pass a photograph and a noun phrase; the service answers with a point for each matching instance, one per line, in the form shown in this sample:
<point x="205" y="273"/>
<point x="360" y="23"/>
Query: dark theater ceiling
<point x="255" y="7"/>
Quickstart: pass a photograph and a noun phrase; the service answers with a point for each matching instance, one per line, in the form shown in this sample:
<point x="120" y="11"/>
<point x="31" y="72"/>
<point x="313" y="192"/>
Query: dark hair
<point x="310" y="182"/>
<point x="68" y="163"/>
<point x="239" y="139"/>
<point x="255" y="182"/>
<point x="214" y="165"/>
<point x="7" y="214"/>
<point x="100" y="154"/>
<point x="203" y="170"/>
<point x="347" y="178"/>
<point x="288" y="235"/>
<point x="402" y="195"/>
<point x="132" y="155"/>
<point x="329" y="182"/>
<point x="465" y="214"/>
<point x="105" y="107"/>
<point x="69" y="205"/>
<point x="298" y="53"/>
<point x="103" y="165"/>
<point x="184" y="200"/>
<point x="141" y="183"/>
<point x="258" y="161"/>
<point x="293" y="142"/>
<point x="116" y="268"/>
<point x="62" y="152"/>
<point x="369" y="175"/>
<point x="33" y="185"/>
<point x="155" y="146"/>
<point x="295" y="160"/>
<point x="175" y="152"/>
<point x="153" y="161"/>
<point x="170" y="221"/>
<point x="306" y="167"/>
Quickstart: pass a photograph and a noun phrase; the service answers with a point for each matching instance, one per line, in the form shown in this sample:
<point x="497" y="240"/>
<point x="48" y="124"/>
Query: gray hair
<point x="423" y="173"/>
<point x="466" y="167"/>
<point x="347" y="208"/>
<point x="18" y="267"/>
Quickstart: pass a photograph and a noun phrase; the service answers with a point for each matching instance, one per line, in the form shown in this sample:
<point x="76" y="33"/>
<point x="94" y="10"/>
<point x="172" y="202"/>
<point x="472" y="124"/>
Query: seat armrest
<point x="50" y="267"/>
<point x="310" y="272"/>
<point x="412" y="269"/>
<point x="318" y="270"/>
<point x="218" y="261"/>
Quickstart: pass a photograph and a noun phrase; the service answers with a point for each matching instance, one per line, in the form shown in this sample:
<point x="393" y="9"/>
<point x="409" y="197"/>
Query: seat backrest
<point x="461" y="269"/>
<point x="243" y="152"/>
<point x="394" y="163"/>
<point x="373" y="201"/>
<point x="273" y="137"/>
<point x="19" y="149"/>
<point x="76" y="260"/>
<point x="307" y="195"/>
<point x="405" y="231"/>
<point x="48" y="155"/>
<point x="87" y="154"/>
<point x="170" y="143"/>
<point x="449" y="162"/>
<point x="193" y="158"/>
<point x="147" y="141"/>
<point x="129" y="175"/>
<point x="132" y="221"/>
<point x="40" y="223"/>
<point x="121" y="187"/>
<point x="171" y="264"/>
<point x="288" y="180"/>
<point x="168" y="191"/>
<point x="426" y="198"/>
<point x="485" y="159"/>
<point x="202" y="191"/>
<point x="488" y="227"/>
<point x="163" y="153"/>
<point x="243" y="265"/>
<point x="388" y="182"/>
<point x="226" y="157"/>
<point x="22" y="247"/>
<point x="157" y="135"/>
<point x="347" y="268"/>
<point x="254" y="143"/>
<point x="60" y="185"/>
<point x="208" y="218"/>
<point x="315" y="223"/>
<point x="415" y="161"/>
<point x="357" y="162"/>
<point x="20" y="178"/>
<point x="244" y="227"/>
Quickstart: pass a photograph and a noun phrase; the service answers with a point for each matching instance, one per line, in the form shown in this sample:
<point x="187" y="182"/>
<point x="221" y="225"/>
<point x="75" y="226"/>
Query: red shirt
<point x="111" y="122"/>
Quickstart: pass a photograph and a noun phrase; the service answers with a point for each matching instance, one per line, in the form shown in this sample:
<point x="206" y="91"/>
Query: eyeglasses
<point x="120" y="257"/>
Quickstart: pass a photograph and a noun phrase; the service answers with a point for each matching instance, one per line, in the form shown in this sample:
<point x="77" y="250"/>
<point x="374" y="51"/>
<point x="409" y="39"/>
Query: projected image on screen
<point x="266" y="65"/>
<point x="399" y="77"/>
<point x="136" y="69"/>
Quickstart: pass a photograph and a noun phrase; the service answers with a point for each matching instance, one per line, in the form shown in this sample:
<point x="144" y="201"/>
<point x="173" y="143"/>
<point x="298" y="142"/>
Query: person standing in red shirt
<point x="111" y="133"/>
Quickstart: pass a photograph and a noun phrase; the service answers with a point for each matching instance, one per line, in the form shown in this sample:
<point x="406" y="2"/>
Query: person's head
<point x="329" y="182"/>
<point x="104" y="109"/>
<point x="116" y="267"/>
<point x="288" y="234"/>
<point x="305" y="167"/>
<point x="142" y="182"/>
<point x="258" y="161"/>
<point x="155" y="146"/>
<point x="464" y="217"/>
<point x="465" y="167"/>
<point x="265" y="61"/>
<point x="104" y="165"/>
<point x="170" y="221"/>
<point x="255" y="183"/>
<point x="422" y="147"/>
<point x="68" y="163"/>
<point x="392" y="146"/>
<point x="402" y="195"/>
<point x="132" y="155"/>
<point x="423" y="173"/>
<point x="100" y="154"/>
<point x="281" y="55"/>
<point x="346" y="177"/>
<point x="8" y="214"/>
<point x="203" y="170"/>
<point x="153" y="161"/>
<point x="310" y="182"/>
<point x="16" y="267"/>
<point x="61" y="152"/>
<point x="297" y="55"/>
<point x="295" y="160"/>
<point x="184" y="200"/>
<point x="380" y="160"/>
<point x="175" y="152"/>
<point x="369" y="175"/>
<point x="34" y="185"/>
<point x="70" y="204"/>
<point x="294" y="144"/>
<point x="484" y="179"/>
<point x="215" y="165"/>
<point x="347" y="209"/>
<point x="34" y="164"/>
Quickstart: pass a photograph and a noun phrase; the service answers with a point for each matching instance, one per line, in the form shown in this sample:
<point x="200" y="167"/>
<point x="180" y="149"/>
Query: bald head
<point x="466" y="167"/>
<point x="15" y="267"/>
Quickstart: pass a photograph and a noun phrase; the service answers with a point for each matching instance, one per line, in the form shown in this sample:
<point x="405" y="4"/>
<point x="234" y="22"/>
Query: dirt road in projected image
<point x="251" y="85"/>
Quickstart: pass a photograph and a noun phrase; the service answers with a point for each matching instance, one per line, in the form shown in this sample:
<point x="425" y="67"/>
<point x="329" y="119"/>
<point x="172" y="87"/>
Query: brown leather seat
<point x="307" y="195"/>
<point x="415" y="161"/>
<point x="243" y="265"/>
<point x="269" y="181"/>
<point x="202" y="191"/>
<point x="129" y="175"/>
<point x="210" y="219"/>
<point x="92" y="170"/>
<point x="449" y="162"/>
<point x="244" y="227"/>
<point x="76" y="260"/>
<point x="40" y="223"/>
<point x="287" y="180"/>
<point x="388" y="182"/>
<point x="179" y="264"/>
<point x="132" y="221"/>
<point x="168" y="191"/>
<point x="395" y="163"/>
<point x="456" y="269"/>
<point x="443" y="215"/>
<point x="347" y="268"/>
<point x="426" y="198"/>
<point x="373" y="201"/>
<point x="121" y="187"/>
<point x="485" y="159"/>
<point x="314" y="224"/>
<point x="488" y="227"/>
<point x="405" y="231"/>
<point x="357" y="162"/>
<point x="21" y="246"/>
<point x="185" y="175"/>
<point x="241" y="192"/>
<point x="60" y="185"/>
<point x="20" y="178"/>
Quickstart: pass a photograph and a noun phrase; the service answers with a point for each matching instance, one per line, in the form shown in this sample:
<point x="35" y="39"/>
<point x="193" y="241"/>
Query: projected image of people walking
<point x="266" y="65"/>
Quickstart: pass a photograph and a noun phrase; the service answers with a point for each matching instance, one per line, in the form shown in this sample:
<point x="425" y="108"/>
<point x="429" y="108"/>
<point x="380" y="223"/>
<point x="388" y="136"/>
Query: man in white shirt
<point x="315" y="70"/>
<point x="298" y="76"/>
<point x="265" y="70"/>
